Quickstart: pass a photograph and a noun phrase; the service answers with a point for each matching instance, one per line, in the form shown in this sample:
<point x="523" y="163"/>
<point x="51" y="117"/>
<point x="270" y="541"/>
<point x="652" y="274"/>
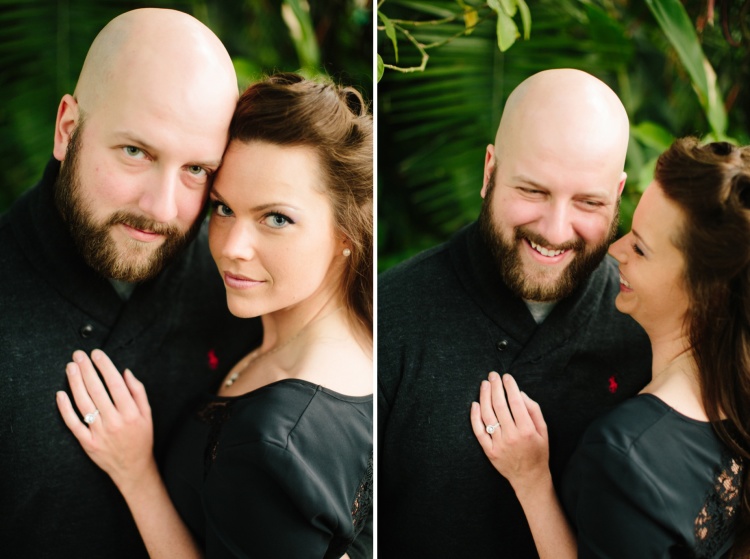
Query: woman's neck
<point x="317" y="343"/>
<point x="279" y="327"/>
<point x="674" y="376"/>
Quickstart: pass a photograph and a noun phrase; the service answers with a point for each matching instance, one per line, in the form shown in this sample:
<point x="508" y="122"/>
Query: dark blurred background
<point x="43" y="44"/>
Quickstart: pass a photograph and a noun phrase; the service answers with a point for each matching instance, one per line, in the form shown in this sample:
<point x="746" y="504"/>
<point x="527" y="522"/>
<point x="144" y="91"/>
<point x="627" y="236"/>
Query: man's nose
<point x="159" y="200"/>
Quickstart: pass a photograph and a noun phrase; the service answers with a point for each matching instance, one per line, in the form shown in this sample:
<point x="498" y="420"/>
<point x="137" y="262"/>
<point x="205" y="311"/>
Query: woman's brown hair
<point x="289" y="110"/>
<point x="711" y="185"/>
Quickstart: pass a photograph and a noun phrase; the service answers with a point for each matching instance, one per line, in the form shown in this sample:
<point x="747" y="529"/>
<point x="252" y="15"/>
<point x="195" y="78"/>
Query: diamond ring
<point x="492" y="428"/>
<point x="91" y="417"/>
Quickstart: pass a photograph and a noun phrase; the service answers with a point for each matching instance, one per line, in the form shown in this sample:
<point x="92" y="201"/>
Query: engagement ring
<point x="91" y="417"/>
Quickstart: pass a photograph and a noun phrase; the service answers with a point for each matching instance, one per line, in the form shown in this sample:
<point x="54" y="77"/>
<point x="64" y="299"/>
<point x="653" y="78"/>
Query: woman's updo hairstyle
<point x="288" y="110"/>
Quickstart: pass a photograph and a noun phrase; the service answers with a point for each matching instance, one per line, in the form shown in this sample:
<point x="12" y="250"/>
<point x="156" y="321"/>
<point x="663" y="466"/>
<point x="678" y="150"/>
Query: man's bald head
<point x="163" y="48"/>
<point x="565" y="107"/>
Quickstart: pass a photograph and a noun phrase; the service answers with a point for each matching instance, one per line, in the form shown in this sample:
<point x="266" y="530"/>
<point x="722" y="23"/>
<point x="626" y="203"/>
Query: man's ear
<point x="489" y="168"/>
<point x="623" y="178"/>
<point x="67" y="120"/>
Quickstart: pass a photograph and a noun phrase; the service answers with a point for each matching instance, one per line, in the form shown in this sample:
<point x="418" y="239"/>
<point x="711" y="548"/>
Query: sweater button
<point x="86" y="331"/>
<point x="502" y="345"/>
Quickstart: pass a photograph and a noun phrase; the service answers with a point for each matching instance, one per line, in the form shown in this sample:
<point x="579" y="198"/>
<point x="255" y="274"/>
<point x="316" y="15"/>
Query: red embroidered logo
<point x="612" y="384"/>
<point x="213" y="361"/>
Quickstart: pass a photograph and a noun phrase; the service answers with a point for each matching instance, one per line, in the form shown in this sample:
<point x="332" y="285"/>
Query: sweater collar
<point x="478" y="274"/>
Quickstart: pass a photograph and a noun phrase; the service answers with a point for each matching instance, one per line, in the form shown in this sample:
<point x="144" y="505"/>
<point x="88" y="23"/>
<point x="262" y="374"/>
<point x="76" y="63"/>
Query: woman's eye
<point x="637" y="250"/>
<point x="221" y="209"/>
<point x="132" y="151"/>
<point x="276" y="220"/>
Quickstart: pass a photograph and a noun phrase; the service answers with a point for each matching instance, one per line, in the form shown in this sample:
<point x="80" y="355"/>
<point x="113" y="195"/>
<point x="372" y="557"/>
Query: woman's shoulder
<point x="296" y="427"/>
<point x="274" y="413"/>
<point x="645" y="442"/>
<point x="648" y="467"/>
<point x="297" y="448"/>
<point x="644" y="419"/>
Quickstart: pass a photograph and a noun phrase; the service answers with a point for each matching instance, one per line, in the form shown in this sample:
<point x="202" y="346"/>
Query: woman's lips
<point x="238" y="281"/>
<point x="624" y="285"/>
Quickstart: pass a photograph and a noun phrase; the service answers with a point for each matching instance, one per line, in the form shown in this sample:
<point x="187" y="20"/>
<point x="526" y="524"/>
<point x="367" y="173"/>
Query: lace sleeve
<point x="716" y="520"/>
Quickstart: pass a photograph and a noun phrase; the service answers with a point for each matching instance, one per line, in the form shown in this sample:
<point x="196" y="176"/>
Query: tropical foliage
<point x="43" y="44"/>
<point x="681" y="68"/>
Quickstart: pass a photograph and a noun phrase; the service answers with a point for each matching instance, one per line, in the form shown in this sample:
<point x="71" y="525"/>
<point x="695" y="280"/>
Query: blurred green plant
<point x="434" y="124"/>
<point x="43" y="44"/>
<point x="502" y="10"/>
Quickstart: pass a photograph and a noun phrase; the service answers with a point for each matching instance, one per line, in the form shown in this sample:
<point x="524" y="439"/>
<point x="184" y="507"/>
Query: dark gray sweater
<point x="445" y="320"/>
<point x="175" y="333"/>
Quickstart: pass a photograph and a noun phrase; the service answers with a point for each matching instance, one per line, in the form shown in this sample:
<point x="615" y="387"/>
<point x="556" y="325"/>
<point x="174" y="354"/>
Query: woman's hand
<point x="118" y="436"/>
<point x="518" y="446"/>
<point x="118" y="432"/>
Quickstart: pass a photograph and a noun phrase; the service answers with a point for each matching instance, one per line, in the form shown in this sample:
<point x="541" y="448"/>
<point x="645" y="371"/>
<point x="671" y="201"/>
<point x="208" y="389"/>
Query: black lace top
<point x="284" y="471"/>
<point x="647" y="482"/>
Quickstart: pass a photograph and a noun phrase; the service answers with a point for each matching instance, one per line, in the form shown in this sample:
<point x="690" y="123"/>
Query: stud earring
<point x="347" y="252"/>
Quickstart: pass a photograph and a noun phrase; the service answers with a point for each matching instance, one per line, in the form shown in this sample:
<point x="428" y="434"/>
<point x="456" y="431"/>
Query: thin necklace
<point x="252" y="359"/>
<point x="671" y="364"/>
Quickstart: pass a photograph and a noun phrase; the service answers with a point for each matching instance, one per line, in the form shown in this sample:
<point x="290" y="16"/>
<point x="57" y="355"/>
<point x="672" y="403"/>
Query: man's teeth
<point x="543" y="251"/>
<point x="625" y="282"/>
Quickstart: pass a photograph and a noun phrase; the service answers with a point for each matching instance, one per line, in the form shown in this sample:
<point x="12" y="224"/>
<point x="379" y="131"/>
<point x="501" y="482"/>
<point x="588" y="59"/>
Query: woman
<point x="664" y="474"/>
<point x="279" y="463"/>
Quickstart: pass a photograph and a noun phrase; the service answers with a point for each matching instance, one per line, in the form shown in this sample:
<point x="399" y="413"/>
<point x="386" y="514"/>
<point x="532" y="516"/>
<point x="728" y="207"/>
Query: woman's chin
<point x="621" y="306"/>
<point x="242" y="310"/>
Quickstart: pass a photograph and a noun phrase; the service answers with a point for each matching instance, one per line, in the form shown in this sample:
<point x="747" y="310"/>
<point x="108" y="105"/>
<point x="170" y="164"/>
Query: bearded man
<point x="107" y="252"/>
<point x="525" y="290"/>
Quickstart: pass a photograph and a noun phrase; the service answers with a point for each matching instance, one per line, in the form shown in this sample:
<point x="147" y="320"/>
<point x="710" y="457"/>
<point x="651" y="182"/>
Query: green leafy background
<point x="680" y="68"/>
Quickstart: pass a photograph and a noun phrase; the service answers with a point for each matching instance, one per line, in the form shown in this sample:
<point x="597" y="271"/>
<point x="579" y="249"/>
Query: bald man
<point x="525" y="290"/>
<point x="107" y="251"/>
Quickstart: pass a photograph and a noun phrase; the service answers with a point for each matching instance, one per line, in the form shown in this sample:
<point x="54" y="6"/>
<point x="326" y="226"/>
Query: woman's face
<point x="652" y="288"/>
<point x="272" y="232"/>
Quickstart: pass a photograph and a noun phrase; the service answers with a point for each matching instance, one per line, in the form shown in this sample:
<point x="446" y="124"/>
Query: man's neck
<point x="540" y="309"/>
<point x="124" y="288"/>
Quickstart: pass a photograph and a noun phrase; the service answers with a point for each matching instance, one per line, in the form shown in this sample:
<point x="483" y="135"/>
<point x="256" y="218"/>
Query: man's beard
<point x="507" y="256"/>
<point x="131" y="261"/>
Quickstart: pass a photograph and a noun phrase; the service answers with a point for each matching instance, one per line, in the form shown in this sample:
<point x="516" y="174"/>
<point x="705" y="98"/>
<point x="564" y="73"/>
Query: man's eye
<point x="592" y="204"/>
<point x="197" y="170"/>
<point x="132" y="151"/>
<point x="531" y="191"/>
